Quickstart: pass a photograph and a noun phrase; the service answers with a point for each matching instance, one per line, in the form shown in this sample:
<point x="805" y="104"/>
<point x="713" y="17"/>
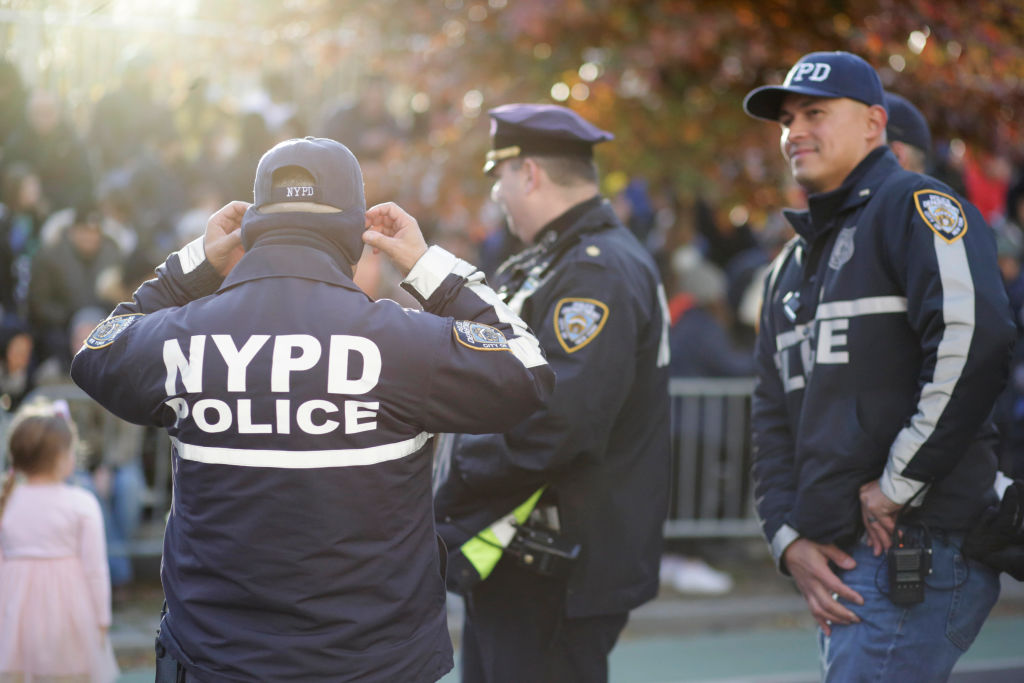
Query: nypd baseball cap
<point x="819" y="74"/>
<point x="540" y="130"/>
<point x="906" y="123"/>
<point x="337" y="181"/>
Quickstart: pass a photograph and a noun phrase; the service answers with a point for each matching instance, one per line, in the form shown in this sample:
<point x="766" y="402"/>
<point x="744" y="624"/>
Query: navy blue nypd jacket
<point x="300" y="543"/>
<point x="896" y="343"/>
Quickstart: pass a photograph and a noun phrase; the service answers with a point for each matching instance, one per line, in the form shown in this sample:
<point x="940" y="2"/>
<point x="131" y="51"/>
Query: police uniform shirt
<point x="300" y="544"/>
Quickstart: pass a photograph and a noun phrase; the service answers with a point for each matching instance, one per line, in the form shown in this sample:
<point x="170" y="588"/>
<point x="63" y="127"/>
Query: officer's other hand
<point x="807" y="562"/>
<point x="223" y="239"/>
<point x="390" y="229"/>
<point x="879" y="516"/>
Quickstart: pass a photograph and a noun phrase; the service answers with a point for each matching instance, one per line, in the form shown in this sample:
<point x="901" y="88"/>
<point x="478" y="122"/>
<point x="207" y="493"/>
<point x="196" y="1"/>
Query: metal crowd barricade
<point x="711" y="456"/>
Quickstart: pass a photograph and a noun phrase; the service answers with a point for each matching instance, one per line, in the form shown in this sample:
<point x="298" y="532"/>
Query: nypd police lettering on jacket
<point x="884" y="340"/>
<point x="251" y="384"/>
<point x="300" y="414"/>
<point x="289" y="354"/>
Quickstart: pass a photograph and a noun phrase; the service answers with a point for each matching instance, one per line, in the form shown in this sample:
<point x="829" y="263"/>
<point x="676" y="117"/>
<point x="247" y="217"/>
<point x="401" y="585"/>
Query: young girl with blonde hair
<point x="54" y="581"/>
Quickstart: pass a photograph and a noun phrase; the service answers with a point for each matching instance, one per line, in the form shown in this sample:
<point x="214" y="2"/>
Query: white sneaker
<point x="688" y="575"/>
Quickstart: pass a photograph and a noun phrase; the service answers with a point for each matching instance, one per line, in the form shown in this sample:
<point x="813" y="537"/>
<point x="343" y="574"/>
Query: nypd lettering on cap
<point x="479" y="336"/>
<point x="578" y="322"/>
<point x="812" y="71"/>
<point x="110" y="329"/>
<point x="942" y="213"/>
<point x="302" y="192"/>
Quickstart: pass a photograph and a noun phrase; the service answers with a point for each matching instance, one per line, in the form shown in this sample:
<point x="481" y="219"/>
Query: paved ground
<point x="759" y="633"/>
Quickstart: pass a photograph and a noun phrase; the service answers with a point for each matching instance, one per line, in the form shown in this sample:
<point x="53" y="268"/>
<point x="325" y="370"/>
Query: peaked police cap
<point x="540" y="130"/>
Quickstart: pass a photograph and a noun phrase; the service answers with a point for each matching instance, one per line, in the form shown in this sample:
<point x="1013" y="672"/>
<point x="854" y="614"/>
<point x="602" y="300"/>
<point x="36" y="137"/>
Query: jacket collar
<point x="858" y="188"/>
<point x="569" y="219"/>
<point x="591" y="215"/>
<point x="287" y="260"/>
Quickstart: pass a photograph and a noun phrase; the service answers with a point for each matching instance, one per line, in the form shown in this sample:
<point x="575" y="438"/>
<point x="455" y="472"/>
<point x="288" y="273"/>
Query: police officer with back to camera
<point x="884" y="340"/>
<point x="300" y="543"/>
<point x="554" y="527"/>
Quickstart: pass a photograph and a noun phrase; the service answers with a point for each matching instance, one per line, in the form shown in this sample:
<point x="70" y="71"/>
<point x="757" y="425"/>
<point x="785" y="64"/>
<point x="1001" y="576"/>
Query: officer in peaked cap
<point x="908" y="133"/>
<point x="591" y="469"/>
<point x="301" y="414"/>
<point x="519" y="130"/>
<point x="884" y="340"/>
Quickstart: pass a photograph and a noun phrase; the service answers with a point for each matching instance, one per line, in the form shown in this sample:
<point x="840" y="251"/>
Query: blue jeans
<point x="921" y="642"/>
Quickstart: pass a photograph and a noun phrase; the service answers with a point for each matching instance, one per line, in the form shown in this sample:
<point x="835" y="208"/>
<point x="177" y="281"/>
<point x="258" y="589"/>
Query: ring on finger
<point x="872" y="520"/>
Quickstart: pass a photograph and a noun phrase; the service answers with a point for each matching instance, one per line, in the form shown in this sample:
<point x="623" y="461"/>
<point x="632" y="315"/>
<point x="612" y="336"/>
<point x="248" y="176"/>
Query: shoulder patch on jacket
<point x="110" y="329"/>
<point x="479" y="336"/>
<point x="578" y="321"/>
<point x="942" y="213"/>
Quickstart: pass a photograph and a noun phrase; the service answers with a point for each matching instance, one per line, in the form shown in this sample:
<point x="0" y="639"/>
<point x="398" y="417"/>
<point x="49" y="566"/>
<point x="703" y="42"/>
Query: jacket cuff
<point x="427" y="274"/>
<point x="199" y="277"/>
<point x="782" y="539"/>
<point x="900" y="489"/>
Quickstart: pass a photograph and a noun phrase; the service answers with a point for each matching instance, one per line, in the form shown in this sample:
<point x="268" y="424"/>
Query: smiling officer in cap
<point x="592" y="468"/>
<point x="300" y="544"/>
<point x="884" y="340"/>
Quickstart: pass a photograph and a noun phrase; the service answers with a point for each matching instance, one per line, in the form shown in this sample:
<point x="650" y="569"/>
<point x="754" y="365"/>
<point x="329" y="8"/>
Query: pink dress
<point x="54" y="587"/>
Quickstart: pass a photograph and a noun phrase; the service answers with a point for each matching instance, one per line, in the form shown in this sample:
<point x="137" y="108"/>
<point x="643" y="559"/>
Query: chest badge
<point x="842" y="250"/>
<point x="942" y="213"/>
<point x="578" y="322"/>
<point x="109" y="330"/>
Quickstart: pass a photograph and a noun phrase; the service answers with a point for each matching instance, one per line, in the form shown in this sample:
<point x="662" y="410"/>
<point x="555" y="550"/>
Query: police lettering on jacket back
<point x="348" y="367"/>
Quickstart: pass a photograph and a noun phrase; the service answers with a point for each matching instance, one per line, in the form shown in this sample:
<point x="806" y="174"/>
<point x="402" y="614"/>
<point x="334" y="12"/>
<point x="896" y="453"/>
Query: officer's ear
<point x="531" y="173"/>
<point x="877" y="118"/>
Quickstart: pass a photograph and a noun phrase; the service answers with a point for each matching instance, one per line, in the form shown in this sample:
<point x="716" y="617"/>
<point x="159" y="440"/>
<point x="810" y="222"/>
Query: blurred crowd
<point x="90" y="203"/>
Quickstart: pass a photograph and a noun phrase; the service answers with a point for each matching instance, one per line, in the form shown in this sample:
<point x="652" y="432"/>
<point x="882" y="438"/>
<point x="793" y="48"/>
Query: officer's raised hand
<point x="223" y="239"/>
<point x="389" y="228"/>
